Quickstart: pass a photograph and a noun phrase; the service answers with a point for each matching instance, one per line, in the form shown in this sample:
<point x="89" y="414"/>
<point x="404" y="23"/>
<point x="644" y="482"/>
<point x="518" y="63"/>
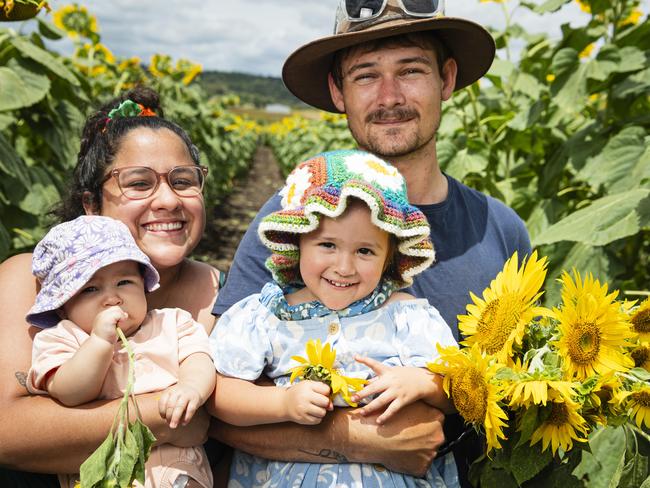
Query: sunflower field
<point x="45" y="97"/>
<point x="295" y="139"/>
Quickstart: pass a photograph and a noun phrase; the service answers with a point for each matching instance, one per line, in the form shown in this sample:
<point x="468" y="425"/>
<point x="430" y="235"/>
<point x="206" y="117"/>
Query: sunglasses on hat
<point x="364" y="10"/>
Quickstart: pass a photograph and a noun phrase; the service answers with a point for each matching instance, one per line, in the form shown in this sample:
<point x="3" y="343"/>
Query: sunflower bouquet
<point x="562" y="394"/>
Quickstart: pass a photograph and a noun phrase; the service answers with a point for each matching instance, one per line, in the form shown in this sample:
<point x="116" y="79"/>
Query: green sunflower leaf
<point x="527" y="461"/>
<point x="603" y="466"/>
<point x="605" y="220"/>
<point x="93" y="469"/>
<point x="45" y="59"/>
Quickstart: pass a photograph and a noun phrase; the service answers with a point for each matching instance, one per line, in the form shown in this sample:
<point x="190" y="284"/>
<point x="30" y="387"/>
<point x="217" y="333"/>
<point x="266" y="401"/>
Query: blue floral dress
<point x="259" y="334"/>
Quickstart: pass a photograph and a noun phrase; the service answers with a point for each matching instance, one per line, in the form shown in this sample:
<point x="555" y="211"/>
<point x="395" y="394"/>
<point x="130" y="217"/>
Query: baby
<point x="93" y="279"/>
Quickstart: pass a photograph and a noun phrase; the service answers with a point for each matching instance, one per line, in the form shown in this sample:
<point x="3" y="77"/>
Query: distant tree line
<point x="255" y="90"/>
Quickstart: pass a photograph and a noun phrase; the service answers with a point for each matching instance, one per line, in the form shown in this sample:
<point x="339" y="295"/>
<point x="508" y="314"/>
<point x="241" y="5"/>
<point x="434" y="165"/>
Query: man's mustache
<point x="395" y="114"/>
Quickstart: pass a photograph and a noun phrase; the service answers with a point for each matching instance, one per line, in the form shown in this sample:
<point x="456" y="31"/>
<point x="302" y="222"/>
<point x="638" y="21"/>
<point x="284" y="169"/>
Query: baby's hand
<point x="397" y="387"/>
<point x="178" y="404"/>
<point x="307" y="402"/>
<point x="106" y="322"/>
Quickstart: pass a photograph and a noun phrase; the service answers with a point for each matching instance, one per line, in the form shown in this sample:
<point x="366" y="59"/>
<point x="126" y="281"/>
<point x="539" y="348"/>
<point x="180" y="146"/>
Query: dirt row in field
<point x="226" y="226"/>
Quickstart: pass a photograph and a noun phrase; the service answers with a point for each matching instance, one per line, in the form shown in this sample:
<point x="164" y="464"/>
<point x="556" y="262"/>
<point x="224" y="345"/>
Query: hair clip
<point x="128" y="108"/>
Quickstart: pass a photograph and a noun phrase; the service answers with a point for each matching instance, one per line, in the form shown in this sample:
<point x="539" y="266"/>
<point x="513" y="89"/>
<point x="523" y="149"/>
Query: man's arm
<point x="38" y="433"/>
<point x="406" y="443"/>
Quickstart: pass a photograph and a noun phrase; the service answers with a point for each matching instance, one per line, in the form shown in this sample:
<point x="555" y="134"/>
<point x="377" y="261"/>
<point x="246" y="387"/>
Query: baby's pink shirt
<point x="165" y="338"/>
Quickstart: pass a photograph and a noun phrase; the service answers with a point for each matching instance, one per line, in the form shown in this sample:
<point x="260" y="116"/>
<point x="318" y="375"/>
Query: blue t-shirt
<point x="473" y="235"/>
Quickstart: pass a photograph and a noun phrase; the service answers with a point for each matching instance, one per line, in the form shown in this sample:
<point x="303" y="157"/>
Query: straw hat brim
<point x="306" y="70"/>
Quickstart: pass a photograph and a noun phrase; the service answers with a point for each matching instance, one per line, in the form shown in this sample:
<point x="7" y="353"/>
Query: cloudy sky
<point x="255" y="36"/>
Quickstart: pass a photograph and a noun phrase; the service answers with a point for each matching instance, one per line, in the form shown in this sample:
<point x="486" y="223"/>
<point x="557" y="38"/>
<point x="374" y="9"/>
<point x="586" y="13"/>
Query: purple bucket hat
<point x="71" y="253"/>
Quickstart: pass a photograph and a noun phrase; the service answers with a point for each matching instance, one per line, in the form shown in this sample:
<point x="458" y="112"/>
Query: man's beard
<point x="394" y="142"/>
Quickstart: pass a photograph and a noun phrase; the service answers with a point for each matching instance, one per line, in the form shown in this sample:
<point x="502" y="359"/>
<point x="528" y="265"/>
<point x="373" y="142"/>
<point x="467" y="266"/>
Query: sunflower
<point x="641" y="356"/>
<point x="535" y="389"/>
<point x="467" y="381"/>
<point x="93" y="59"/>
<point x="76" y="21"/>
<point x="640" y="320"/>
<point x="562" y="426"/>
<point x="598" y="394"/>
<point x="499" y="320"/>
<point x="637" y="403"/>
<point x="593" y="330"/>
<point x="319" y="366"/>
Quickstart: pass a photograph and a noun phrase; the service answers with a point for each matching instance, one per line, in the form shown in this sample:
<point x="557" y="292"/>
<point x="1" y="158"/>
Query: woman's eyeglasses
<point x="138" y="182"/>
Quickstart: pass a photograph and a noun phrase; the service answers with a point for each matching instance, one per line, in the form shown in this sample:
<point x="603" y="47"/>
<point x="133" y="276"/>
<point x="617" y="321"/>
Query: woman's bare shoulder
<point x="201" y="292"/>
<point x="205" y="273"/>
<point x="17" y="271"/>
<point x="19" y="260"/>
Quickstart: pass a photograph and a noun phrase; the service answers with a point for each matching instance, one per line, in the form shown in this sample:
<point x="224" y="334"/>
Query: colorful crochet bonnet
<point x="322" y="186"/>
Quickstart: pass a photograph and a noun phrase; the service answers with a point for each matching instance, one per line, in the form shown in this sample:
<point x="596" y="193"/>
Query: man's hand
<point x="307" y="402"/>
<point x="409" y="441"/>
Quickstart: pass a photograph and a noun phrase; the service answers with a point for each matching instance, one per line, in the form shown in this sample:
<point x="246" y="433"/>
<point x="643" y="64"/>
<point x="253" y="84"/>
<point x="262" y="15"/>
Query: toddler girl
<point x="93" y="279"/>
<point x="344" y="243"/>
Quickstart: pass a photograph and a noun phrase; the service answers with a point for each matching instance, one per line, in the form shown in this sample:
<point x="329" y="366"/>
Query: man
<point x="389" y="66"/>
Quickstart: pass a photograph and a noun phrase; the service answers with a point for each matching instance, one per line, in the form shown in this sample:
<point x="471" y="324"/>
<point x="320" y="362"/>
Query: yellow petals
<point x="593" y="330"/>
<point x="497" y="321"/>
<point x="319" y="366"/>
<point x="467" y="381"/>
<point x="586" y="52"/>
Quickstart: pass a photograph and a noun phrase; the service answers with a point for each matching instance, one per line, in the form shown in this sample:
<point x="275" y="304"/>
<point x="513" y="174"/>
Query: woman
<point x="167" y="222"/>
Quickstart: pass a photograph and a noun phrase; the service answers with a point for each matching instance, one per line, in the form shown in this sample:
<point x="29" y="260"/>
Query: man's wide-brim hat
<point x="305" y="71"/>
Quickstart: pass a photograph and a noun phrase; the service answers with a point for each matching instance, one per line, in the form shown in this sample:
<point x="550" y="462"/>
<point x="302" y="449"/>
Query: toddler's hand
<point x="396" y="386"/>
<point x="106" y="322"/>
<point x="178" y="404"/>
<point x="307" y="402"/>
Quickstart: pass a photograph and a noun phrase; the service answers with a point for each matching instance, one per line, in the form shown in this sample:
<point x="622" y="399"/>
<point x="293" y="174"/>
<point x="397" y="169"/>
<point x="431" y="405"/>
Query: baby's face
<point x="343" y="260"/>
<point x="118" y="284"/>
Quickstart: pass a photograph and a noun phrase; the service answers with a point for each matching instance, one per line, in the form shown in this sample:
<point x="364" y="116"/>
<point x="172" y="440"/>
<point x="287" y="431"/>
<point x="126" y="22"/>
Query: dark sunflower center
<point x="470" y="393"/>
<point x="640" y="356"/>
<point x="642" y="398"/>
<point x="584" y="342"/>
<point x="499" y="318"/>
<point x="641" y="321"/>
<point x="559" y="414"/>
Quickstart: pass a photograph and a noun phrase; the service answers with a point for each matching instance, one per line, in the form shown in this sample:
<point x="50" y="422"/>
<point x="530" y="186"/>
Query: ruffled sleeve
<point x="419" y="328"/>
<point x="192" y="337"/>
<point x="240" y="343"/>
<point x="51" y="349"/>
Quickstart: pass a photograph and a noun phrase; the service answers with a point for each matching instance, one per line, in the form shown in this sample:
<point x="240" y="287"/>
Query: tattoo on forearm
<point x="328" y="454"/>
<point x="21" y="376"/>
